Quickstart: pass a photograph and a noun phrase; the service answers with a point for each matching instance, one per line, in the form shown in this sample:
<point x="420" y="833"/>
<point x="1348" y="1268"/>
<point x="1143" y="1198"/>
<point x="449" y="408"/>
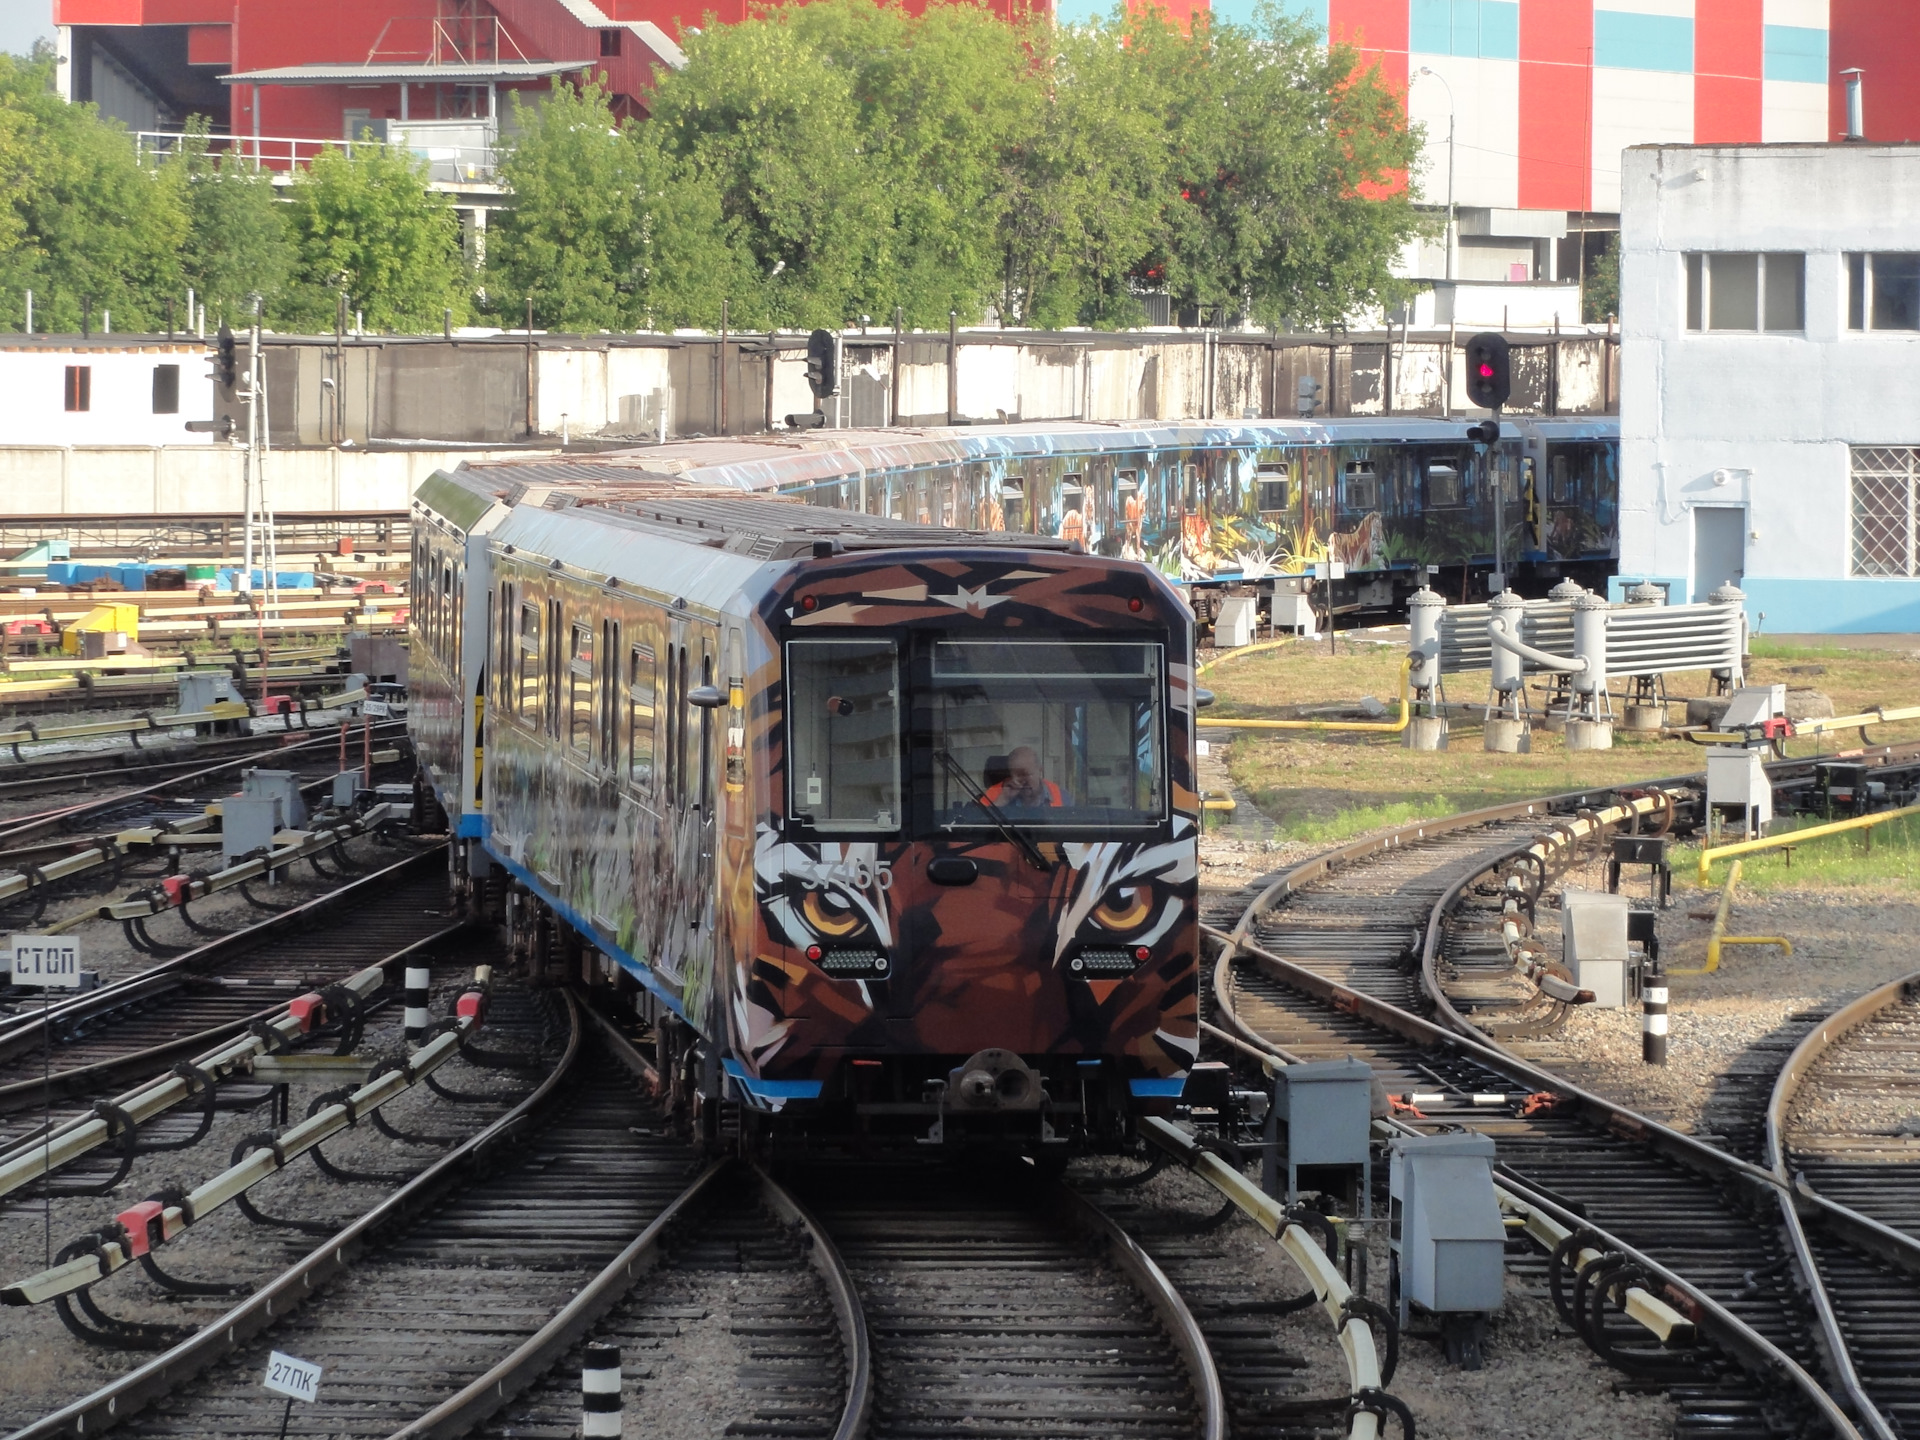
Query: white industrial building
<point x="1770" y="379"/>
<point x="64" y="390"/>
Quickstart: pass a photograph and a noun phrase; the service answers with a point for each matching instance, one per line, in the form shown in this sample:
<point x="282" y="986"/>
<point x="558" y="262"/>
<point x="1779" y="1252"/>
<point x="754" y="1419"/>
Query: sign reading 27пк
<point x="295" y="1379"/>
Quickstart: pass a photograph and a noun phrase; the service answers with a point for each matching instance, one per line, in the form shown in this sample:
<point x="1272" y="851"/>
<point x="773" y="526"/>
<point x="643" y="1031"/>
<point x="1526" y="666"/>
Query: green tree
<point x="1600" y="289"/>
<point x="367" y="224"/>
<point x="86" y="223"/>
<point x="239" y="243"/>
<point x="573" y="240"/>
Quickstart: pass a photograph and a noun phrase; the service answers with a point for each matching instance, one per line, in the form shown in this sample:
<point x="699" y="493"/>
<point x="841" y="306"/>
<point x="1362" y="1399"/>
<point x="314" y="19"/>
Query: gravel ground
<point x="1731" y="1030"/>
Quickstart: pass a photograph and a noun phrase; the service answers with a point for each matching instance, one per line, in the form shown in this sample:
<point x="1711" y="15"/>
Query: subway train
<point x="1225" y="507"/>
<point x="886" y="830"/>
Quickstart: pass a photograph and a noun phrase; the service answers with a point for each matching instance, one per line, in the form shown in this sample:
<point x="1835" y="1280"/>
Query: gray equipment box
<point x="200" y="690"/>
<point x="248" y="823"/>
<point x="346" y="785"/>
<point x="1326" y="1108"/>
<point x="1737" y="783"/>
<point x="1445" y="1234"/>
<point x="1237" y="623"/>
<point x="1593" y="943"/>
<point x="284" y="785"/>
<point x="1754" y="705"/>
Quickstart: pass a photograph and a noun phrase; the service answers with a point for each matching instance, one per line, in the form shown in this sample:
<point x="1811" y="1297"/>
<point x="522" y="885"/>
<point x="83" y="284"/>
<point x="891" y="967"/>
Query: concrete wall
<point x="1762" y="422"/>
<point x="209" y="479"/>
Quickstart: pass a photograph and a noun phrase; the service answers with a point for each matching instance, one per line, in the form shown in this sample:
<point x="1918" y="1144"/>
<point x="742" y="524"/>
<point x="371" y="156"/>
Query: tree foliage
<point x="812" y="165"/>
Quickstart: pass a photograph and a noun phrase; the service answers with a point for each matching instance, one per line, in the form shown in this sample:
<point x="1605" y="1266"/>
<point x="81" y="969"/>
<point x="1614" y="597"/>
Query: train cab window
<point x="1272" y="484"/>
<point x="843" y="734"/>
<point x="527" y="705"/>
<point x="1362" y="486"/>
<point x="1443" y="485"/>
<point x="642" y="685"/>
<point x="1051" y="733"/>
<point x="580" y="690"/>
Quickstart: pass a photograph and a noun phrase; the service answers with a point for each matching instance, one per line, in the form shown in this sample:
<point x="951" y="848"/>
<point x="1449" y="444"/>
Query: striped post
<point x="600" y="1391"/>
<point x="419" y="978"/>
<point x="1653" y="1018"/>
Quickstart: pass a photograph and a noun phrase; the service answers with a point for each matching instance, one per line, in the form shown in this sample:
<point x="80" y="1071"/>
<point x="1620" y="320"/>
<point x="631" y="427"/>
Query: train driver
<point x="1026" y="785"/>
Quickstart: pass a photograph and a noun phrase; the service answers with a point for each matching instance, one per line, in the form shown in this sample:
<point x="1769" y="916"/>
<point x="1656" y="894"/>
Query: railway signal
<point x="823" y="363"/>
<point x="226" y="362"/>
<point x="1486" y="432"/>
<point x="1489" y="370"/>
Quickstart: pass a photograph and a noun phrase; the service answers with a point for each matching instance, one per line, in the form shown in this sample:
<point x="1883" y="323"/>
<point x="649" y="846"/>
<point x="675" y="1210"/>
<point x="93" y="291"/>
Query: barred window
<point x="1884" y="482"/>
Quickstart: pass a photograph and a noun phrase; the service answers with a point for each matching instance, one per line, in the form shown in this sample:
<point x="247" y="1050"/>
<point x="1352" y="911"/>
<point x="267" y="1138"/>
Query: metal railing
<point x="455" y="151"/>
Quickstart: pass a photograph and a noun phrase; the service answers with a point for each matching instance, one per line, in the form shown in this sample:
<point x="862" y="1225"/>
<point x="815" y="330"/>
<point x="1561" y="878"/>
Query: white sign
<point x="296" y="1379"/>
<point x="51" y="962"/>
<point x="377" y="709"/>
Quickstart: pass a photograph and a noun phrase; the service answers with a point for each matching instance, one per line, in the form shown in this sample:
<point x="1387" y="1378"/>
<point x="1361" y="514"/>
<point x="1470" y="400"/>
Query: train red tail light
<point x="814" y="952"/>
<point x="1141" y="952"/>
<point x="1136" y="605"/>
<point x="808" y="602"/>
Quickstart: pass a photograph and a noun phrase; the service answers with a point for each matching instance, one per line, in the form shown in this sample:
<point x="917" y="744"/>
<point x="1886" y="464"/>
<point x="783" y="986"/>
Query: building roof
<point x="417" y="72"/>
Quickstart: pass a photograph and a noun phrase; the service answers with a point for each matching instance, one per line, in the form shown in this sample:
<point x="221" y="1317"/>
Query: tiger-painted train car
<point x="888" y="830"/>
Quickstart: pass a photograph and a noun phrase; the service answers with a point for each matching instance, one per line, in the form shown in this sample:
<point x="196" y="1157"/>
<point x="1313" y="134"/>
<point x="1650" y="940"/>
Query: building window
<point x="166" y="389"/>
<point x="1883" y="292"/>
<point x="79" y="387"/>
<point x="1746" y="291"/>
<point x="1884" y="482"/>
<point x="609" y="42"/>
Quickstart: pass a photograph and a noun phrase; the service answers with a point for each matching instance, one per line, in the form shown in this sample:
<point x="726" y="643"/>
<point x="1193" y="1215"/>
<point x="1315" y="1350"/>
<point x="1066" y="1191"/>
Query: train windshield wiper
<point x="993" y="812"/>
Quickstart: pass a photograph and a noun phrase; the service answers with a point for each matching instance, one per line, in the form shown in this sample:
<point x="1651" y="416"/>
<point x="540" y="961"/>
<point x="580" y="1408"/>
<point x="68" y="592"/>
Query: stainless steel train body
<point x="743" y="757"/>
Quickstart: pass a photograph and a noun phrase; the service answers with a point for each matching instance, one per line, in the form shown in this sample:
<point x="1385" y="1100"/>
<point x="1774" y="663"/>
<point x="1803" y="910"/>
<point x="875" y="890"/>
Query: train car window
<point x="706" y="741"/>
<point x="843" y="734"/>
<point x="527" y="703"/>
<point x="682" y="789"/>
<point x="1563" y="486"/>
<point x="580" y="690"/>
<point x="445" y="636"/>
<point x="553" y="695"/>
<point x="642" y="683"/>
<point x="1363" y="486"/>
<point x="606" y="697"/>
<point x="1272" y="484"/>
<point x="1443" y="485"/>
<point x="1055" y="733"/>
<point x="1013" y="502"/>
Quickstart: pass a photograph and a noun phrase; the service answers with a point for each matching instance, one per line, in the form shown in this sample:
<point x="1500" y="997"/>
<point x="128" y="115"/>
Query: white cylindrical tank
<point x="1590" y="643"/>
<point x="1503" y="614"/>
<point x="1424" y="609"/>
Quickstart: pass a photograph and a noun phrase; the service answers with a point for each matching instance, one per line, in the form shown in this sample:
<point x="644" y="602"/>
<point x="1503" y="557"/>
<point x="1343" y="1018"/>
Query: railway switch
<point x="248" y="824"/>
<point x="1593" y="941"/>
<point x="1648" y="850"/>
<point x="284" y="785"/>
<point x="1446" y="1242"/>
<point x="1322" y="1118"/>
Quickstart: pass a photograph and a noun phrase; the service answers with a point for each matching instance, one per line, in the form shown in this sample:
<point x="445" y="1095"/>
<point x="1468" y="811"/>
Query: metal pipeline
<point x="1496" y="632"/>
<point x="1794" y="837"/>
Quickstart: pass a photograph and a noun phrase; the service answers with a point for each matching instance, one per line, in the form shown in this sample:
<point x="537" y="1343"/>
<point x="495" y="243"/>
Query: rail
<point x="1795" y="837"/>
<point x="1365" y="1382"/>
<point x="280" y="1297"/>
<point x="152" y="1222"/>
<point x="219" y="712"/>
<point x="32" y="1158"/>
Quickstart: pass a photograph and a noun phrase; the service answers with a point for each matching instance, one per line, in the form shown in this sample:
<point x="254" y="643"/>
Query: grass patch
<point x="1891" y="860"/>
<point x="1323" y="787"/>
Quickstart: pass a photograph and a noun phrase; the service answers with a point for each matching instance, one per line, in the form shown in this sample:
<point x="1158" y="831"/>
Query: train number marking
<point x="854" y="874"/>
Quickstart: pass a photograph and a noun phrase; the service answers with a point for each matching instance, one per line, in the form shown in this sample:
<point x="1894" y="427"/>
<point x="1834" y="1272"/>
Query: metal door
<point x="1719" y="548"/>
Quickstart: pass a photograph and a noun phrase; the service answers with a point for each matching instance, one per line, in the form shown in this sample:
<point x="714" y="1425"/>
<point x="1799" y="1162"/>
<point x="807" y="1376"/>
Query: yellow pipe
<point x="1721" y="915"/>
<point x="1370" y="727"/>
<point x="1794" y="837"/>
<point x="1243" y="650"/>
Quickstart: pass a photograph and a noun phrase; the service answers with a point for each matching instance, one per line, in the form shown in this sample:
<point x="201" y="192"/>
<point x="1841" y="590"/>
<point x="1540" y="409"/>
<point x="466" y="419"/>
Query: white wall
<point x="33" y="393"/>
<point x="1775" y="414"/>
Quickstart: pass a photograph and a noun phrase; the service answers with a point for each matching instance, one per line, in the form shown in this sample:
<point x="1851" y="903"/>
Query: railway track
<point x="427" y="1290"/>
<point x="1842" y="1131"/>
<point x="999" y="1304"/>
<point x="107" y="1039"/>
<point x="1342" y="956"/>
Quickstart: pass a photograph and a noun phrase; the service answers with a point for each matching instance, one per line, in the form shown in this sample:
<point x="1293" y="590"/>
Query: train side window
<point x="506" y="658"/>
<point x="1363" y="486"/>
<point x="528" y="705"/>
<point x="1272" y="486"/>
<point x="1013" y="502"/>
<point x="642" y="685"/>
<point x="1562" y="487"/>
<point x="606" y="695"/>
<point x="553" y="695"/>
<point x="445" y="637"/>
<point x="706" y="742"/>
<point x="580" y="690"/>
<point x="1443" y="485"/>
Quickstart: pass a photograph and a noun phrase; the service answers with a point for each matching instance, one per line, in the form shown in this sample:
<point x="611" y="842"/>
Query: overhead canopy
<point x="417" y="73"/>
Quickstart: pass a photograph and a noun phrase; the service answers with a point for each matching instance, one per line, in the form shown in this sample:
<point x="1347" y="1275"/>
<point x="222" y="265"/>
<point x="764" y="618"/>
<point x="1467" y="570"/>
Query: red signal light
<point x="1486" y="371"/>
